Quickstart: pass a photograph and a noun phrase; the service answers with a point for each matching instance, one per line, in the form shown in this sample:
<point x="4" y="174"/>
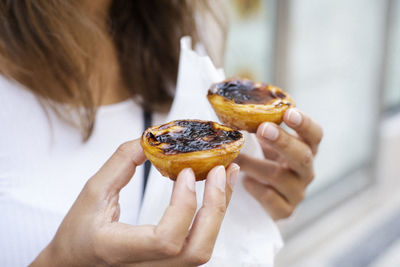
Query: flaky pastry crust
<point x="243" y="104"/>
<point x="196" y="144"/>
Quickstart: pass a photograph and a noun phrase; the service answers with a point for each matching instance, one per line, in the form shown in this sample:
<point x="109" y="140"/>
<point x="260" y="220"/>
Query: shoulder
<point x="20" y="110"/>
<point x="12" y="90"/>
<point x="15" y="98"/>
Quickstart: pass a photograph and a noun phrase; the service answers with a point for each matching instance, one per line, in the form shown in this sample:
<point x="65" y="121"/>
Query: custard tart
<point x="243" y="104"/>
<point x="196" y="144"/>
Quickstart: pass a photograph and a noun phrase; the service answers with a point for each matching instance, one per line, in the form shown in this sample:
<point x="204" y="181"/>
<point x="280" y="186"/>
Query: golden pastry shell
<point x="201" y="161"/>
<point x="249" y="116"/>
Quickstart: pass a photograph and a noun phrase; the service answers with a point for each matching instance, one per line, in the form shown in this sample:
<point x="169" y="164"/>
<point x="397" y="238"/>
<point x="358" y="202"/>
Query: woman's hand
<point x="91" y="234"/>
<point x="279" y="181"/>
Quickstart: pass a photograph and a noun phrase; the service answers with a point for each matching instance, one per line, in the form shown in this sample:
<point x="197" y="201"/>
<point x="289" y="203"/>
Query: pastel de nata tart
<point x="243" y="104"/>
<point x="196" y="144"/>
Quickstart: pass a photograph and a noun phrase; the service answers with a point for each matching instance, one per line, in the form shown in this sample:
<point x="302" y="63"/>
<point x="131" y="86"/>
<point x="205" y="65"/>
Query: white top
<point x="44" y="165"/>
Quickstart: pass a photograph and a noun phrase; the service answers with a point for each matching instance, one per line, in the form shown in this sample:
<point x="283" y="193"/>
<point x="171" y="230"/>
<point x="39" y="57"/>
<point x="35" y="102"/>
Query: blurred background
<point x="340" y="60"/>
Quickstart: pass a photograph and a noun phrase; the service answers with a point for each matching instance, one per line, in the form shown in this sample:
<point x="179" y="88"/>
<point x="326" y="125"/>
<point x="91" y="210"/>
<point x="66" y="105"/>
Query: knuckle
<point x="130" y="150"/>
<point x="220" y="209"/>
<point x="285" y="213"/>
<point x="92" y="189"/>
<point x="310" y="176"/>
<point x="100" y="252"/>
<point x="107" y="259"/>
<point x="125" y="148"/>
<point x="319" y="135"/>
<point x="199" y="257"/>
<point x="169" y="247"/>
<point x="191" y="205"/>
<point x="294" y="193"/>
<point x="277" y="173"/>
<point x="307" y="158"/>
<point x="284" y="142"/>
<point x="301" y="195"/>
<point x="268" y="198"/>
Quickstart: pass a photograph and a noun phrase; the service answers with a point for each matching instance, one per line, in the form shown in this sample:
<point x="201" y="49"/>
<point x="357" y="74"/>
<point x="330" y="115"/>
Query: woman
<point x="78" y="62"/>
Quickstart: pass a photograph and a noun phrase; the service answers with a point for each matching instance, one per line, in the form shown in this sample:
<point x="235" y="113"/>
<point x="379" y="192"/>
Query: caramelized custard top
<point x="246" y="92"/>
<point x="184" y="136"/>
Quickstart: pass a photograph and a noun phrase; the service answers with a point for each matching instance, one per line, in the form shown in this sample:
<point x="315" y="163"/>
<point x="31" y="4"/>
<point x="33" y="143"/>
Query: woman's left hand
<point x="279" y="181"/>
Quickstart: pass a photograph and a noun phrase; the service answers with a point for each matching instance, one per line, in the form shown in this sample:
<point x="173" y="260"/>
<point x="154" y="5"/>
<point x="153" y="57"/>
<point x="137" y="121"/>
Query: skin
<point x="106" y="82"/>
<point x="279" y="181"/>
<point x="90" y="234"/>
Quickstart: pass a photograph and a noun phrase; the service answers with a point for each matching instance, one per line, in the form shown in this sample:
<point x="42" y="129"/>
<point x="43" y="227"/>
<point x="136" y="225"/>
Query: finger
<point x="281" y="179"/>
<point x="298" y="155"/>
<point x="204" y="232"/>
<point x="268" y="151"/>
<point x="232" y="174"/>
<point x="140" y="243"/>
<point x="309" y="130"/>
<point x="119" y="168"/>
<point x="175" y="223"/>
<point x="193" y="256"/>
<point x="269" y="199"/>
<point x="257" y="167"/>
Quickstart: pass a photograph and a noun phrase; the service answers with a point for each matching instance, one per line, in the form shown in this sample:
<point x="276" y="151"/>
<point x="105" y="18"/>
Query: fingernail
<point x="234" y="175"/>
<point x="270" y="131"/>
<point x="294" y="117"/>
<point x="221" y="178"/>
<point x="190" y="180"/>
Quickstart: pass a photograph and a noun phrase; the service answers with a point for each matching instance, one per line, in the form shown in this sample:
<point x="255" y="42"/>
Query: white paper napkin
<point x="248" y="235"/>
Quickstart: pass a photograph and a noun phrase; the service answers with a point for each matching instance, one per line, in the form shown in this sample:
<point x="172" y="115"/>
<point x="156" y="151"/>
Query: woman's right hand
<point x="90" y="234"/>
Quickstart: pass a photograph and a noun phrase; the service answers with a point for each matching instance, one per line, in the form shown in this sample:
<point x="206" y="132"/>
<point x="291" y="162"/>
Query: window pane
<point x="334" y="55"/>
<point x="392" y="93"/>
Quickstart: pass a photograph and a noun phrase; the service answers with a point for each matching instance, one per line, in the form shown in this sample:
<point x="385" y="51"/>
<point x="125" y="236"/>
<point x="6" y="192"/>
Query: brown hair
<point x="48" y="46"/>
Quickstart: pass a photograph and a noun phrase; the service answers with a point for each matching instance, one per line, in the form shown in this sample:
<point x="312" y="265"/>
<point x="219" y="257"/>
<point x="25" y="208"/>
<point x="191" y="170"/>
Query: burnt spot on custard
<point x="246" y="92"/>
<point x="193" y="136"/>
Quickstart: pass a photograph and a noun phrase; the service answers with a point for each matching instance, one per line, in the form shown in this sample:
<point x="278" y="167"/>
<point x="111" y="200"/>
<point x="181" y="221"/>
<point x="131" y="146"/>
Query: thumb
<point x="119" y="168"/>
